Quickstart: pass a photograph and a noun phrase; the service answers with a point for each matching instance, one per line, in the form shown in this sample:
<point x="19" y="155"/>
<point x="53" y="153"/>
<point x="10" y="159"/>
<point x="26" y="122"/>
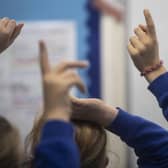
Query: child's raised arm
<point x="57" y="147"/>
<point x="144" y="50"/>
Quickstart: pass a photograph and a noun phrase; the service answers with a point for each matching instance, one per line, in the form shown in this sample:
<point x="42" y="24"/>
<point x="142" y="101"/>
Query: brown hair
<point x="90" y="138"/>
<point x="9" y="145"/>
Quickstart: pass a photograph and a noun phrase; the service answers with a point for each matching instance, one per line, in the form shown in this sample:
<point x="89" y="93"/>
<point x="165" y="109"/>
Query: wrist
<point x="58" y="114"/>
<point x="112" y="115"/>
<point x="150" y="77"/>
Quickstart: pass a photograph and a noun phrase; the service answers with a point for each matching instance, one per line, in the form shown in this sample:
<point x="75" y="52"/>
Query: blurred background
<point x="93" y="30"/>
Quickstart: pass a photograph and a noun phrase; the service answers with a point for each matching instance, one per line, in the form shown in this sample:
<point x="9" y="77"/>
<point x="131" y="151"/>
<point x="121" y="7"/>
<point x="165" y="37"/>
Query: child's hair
<point x="10" y="156"/>
<point x="90" y="138"/>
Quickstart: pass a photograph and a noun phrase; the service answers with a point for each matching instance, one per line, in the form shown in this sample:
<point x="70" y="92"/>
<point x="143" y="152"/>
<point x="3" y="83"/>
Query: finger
<point x="76" y="103"/>
<point x="149" y="22"/>
<point x="143" y="28"/>
<point x="132" y="50"/>
<point x="5" y="21"/>
<point x="140" y="34"/>
<point x="69" y="74"/>
<point x="17" y="31"/>
<point x="74" y="100"/>
<point x="11" y="27"/>
<point x="136" y="43"/>
<point x="76" y="81"/>
<point x="69" y="65"/>
<point x="44" y="62"/>
<point x="74" y="76"/>
<point x="79" y="101"/>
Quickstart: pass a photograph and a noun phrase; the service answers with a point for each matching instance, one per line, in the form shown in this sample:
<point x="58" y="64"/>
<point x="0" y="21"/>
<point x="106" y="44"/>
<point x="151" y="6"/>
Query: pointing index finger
<point x="44" y="62"/>
<point x="149" y="22"/>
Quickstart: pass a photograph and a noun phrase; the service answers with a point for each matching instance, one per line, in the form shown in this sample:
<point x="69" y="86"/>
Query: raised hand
<point x="57" y="83"/>
<point x="94" y="110"/>
<point x="143" y="47"/>
<point x="9" y="31"/>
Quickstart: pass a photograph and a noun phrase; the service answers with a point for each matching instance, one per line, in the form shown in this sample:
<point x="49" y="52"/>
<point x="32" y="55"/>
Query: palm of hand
<point x="55" y="90"/>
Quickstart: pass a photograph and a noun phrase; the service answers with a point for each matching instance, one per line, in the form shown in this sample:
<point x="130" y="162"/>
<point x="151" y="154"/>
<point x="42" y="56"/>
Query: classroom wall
<point x="141" y="101"/>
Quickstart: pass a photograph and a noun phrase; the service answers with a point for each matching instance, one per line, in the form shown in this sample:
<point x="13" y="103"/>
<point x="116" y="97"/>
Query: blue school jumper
<point x="57" y="148"/>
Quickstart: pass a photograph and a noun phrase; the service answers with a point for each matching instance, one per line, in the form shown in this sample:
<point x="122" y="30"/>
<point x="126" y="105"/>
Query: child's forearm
<point x="149" y="140"/>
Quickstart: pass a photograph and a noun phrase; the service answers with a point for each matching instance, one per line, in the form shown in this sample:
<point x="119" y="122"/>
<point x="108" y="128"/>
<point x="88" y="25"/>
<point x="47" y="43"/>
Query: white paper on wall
<point x="120" y="4"/>
<point x="20" y="81"/>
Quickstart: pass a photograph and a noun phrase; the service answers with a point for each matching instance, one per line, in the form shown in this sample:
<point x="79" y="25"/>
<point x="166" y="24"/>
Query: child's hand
<point x="94" y="110"/>
<point x="9" y="31"/>
<point x="56" y="85"/>
<point x="144" y="49"/>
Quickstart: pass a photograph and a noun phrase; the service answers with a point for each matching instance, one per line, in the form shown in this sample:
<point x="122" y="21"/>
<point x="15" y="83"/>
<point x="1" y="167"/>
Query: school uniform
<point x="57" y="148"/>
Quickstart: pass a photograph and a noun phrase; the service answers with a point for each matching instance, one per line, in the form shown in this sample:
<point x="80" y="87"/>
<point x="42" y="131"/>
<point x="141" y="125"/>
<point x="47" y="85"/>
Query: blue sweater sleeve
<point x="57" y="147"/>
<point x="159" y="87"/>
<point x="149" y="140"/>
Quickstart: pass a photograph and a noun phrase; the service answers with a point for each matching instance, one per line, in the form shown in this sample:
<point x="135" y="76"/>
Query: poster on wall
<point x="20" y="83"/>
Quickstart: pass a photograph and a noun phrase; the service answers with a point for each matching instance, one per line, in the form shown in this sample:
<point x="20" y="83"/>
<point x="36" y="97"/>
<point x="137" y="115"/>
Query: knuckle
<point x="73" y="75"/>
<point x="148" y="42"/>
<point x="131" y="39"/>
<point x="13" y="21"/>
<point x="142" y="49"/>
<point x="135" y="53"/>
<point x="76" y="77"/>
<point x="5" y="32"/>
<point x="64" y="63"/>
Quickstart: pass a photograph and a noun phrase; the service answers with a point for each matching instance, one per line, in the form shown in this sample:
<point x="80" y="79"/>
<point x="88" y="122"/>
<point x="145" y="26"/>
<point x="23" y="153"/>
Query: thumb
<point x="76" y="101"/>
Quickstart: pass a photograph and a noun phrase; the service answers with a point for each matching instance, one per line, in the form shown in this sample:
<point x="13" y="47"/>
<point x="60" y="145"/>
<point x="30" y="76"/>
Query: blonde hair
<point x="90" y="138"/>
